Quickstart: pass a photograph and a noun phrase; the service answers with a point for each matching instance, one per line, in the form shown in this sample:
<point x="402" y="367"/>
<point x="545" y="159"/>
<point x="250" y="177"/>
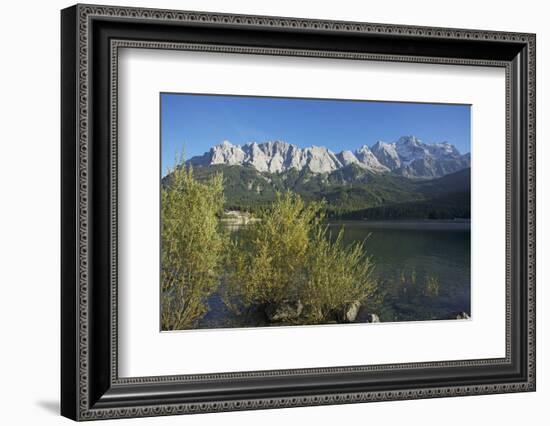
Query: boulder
<point x="373" y="318"/>
<point x="287" y="310"/>
<point x="350" y="311"/>
<point x="462" y="316"/>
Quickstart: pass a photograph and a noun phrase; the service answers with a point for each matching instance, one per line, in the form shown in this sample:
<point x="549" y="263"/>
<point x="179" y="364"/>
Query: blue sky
<point x="192" y="124"/>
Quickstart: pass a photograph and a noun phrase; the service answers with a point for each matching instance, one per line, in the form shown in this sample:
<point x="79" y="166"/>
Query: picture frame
<point x="91" y="37"/>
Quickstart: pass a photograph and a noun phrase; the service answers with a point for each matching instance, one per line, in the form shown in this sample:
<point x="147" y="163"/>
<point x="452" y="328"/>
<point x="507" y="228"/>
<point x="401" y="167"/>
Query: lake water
<point x="422" y="269"/>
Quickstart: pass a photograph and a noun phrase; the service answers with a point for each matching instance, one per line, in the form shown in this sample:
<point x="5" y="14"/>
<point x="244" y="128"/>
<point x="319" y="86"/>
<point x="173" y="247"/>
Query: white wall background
<point x="29" y="212"/>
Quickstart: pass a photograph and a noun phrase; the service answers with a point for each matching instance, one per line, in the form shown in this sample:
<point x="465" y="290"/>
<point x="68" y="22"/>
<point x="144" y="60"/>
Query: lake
<point x="422" y="269"/>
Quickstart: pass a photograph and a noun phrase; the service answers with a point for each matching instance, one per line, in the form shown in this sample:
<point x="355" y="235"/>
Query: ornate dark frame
<point x="91" y="37"/>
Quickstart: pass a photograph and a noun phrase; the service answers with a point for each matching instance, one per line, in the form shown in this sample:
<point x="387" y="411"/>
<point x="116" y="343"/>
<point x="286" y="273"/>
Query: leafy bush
<point x="337" y="277"/>
<point x="268" y="258"/>
<point x="288" y="256"/>
<point x="192" y="245"/>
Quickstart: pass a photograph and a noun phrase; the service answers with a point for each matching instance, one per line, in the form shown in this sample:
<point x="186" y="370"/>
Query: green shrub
<point x="336" y="277"/>
<point x="192" y="245"/>
<point x="268" y="258"/>
<point x="288" y="256"/>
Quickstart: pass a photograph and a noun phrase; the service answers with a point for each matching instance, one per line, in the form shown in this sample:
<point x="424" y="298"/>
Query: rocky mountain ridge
<point x="408" y="156"/>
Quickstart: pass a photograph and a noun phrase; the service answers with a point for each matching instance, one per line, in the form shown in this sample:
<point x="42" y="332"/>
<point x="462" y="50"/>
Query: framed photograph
<point x="263" y="212"/>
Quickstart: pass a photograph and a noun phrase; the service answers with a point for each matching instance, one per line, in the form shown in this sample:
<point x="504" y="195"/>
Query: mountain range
<point x="399" y="180"/>
<point x="408" y="157"/>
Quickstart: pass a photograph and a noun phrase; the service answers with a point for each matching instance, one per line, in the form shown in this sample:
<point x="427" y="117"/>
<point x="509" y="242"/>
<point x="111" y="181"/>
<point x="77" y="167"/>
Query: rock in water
<point x="285" y="311"/>
<point x="373" y="318"/>
<point x="351" y="311"/>
<point x="462" y="316"/>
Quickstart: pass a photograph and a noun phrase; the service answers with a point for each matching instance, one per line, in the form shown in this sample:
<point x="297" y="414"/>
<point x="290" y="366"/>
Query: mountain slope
<point x="448" y="197"/>
<point x="351" y="192"/>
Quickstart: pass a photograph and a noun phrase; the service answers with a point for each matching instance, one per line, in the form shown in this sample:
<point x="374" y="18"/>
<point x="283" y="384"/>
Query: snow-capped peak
<point x="408" y="156"/>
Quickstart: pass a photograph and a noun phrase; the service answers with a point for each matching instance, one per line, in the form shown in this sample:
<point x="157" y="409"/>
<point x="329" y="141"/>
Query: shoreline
<point x="412" y="224"/>
<point x="405" y="224"/>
